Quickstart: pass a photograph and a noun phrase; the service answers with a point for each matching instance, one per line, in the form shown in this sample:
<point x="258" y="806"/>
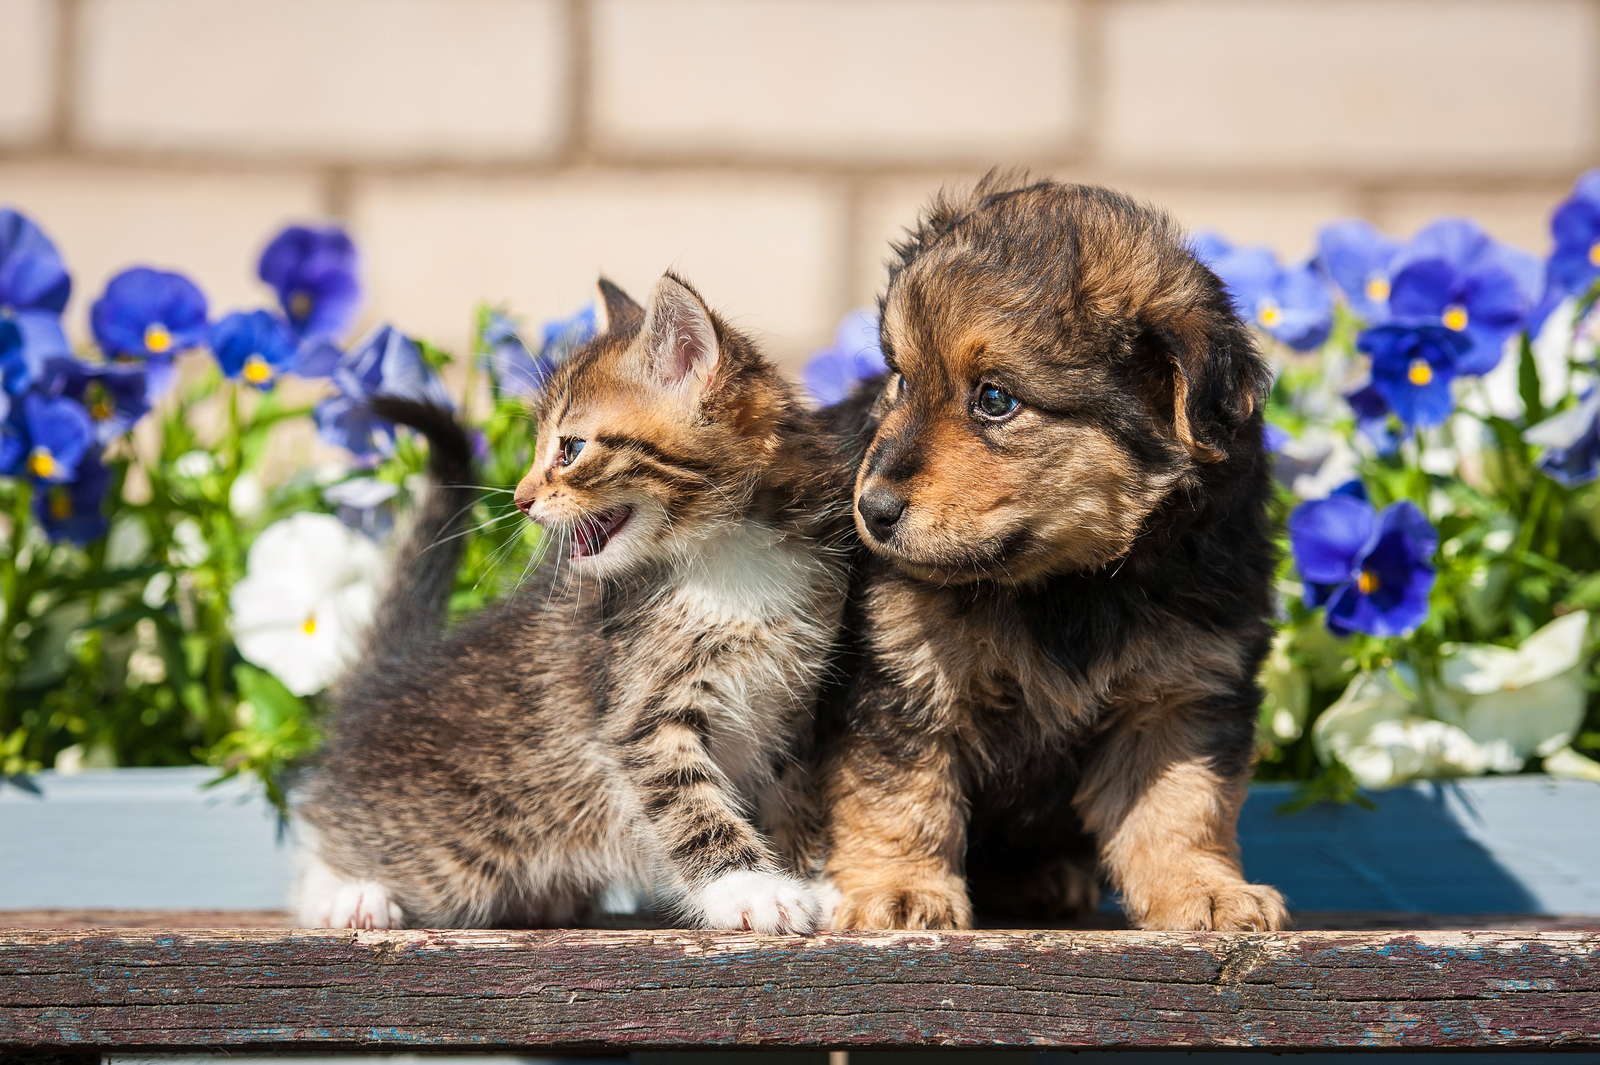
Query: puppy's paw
<point x="360" y="904"/>
<point x="919" y="904"/>
<point x="1229" y="906"/>
<point x="756" y="902"/>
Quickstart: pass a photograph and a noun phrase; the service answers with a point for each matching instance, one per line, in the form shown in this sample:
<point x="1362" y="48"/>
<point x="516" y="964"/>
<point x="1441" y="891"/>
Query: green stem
<point x="17" y="593"/>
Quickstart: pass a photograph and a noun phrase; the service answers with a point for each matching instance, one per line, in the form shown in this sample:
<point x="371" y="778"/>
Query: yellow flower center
<point x="1419" y="372"/>
<point x="60" y="504"/>
<point x="42" y="464"/>
<point x="299" y="304"/>
<point x="309" y="625"/>
<point x="1269" y="314"/>
<point x="100" y="407"/>
<point x="157" y="339"/>
<point x="1594" y="254"/>
<point x="1377" y="288"/>
<point x="1455" y="317"/>
<point x="1367" y="582"/>
<point x="257" y="371"/>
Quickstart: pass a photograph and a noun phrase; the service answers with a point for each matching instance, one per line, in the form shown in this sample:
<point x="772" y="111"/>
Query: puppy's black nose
<point x="880" y="511"/>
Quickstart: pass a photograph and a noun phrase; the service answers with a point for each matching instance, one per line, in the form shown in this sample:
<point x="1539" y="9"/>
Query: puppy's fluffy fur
<point x="1062" y="622"/>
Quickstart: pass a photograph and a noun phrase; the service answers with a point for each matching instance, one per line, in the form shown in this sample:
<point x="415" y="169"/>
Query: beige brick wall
<point x="511" y="149"/>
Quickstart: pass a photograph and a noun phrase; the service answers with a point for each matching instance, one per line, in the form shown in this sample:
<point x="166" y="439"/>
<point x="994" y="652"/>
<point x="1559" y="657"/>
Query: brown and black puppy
<point x="1064" y="489"/>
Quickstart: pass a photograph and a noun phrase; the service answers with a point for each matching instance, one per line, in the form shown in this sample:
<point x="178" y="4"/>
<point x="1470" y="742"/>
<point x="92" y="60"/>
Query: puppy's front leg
<point x="897" y="826"/>
<point x="1163" y="797"/>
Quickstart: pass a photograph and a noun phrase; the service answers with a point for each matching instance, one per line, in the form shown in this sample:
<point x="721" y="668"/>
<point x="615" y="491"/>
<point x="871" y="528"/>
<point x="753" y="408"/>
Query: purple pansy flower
<point x="1375" y="420"/>
<point x="73" y="512"/>
<point x="45" y="437"/>
<point x="1292" y="303"/>
<point x="1274" y="437"/>
<point x="1571" y="441"/>
<point x="1373" y="572"/>
<point x="257" y="346"/>
<point x="1452" y="274"/>
<point x="15" y="371"/>
<point x="315" y="272"/>
<point x="115" y="395"/>
<point x="1358" y="258"/>
<point x="834" y="372"/>
<point x="386" y="363"/>
<point x="149" y="316"/>
<point x="1412" y="367"/>
<point x="34" y="286"/>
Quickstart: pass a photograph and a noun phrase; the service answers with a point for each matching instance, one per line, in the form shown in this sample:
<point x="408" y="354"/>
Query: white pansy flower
<point x="247" y="498"/>
<point x="1377" y="732"/>
<point x="1287" y="690"/>
<point x="188" y="547"/>
<point x="1519" y="703"/>
<point x="310" y="589"/>
<point x="1569" y="763"/>
<point x="195" y="464"/>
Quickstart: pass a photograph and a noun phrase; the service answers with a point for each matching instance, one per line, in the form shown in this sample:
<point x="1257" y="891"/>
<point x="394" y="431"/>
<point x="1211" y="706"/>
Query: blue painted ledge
<point x="155" y="838"/>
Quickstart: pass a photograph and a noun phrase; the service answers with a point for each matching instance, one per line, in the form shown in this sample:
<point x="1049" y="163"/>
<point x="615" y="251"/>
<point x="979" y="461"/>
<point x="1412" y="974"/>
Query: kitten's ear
<point x="614" y="308"/>
<point x="679" y="336"/>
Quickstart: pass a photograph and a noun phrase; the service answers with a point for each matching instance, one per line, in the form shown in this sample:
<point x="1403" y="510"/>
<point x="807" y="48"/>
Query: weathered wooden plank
<point x="672" y="989"/>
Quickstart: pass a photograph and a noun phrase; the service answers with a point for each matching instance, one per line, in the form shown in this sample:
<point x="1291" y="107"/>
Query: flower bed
<point x="166" y="600"/>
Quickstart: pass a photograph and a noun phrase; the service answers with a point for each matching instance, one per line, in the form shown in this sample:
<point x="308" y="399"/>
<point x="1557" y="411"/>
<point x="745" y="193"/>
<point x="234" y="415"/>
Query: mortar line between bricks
<point x="1088" y="26"/>
<point x="577" y="145"/>
<point x="64" y="75"/>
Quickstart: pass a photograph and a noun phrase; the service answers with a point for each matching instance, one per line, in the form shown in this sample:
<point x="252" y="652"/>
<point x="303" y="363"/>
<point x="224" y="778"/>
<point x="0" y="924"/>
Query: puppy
<point x="1063" y="488"/>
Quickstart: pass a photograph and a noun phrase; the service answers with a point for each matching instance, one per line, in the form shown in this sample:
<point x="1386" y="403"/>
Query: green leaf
<point x="1528" y="381"/>
<point x="274" y="704"/>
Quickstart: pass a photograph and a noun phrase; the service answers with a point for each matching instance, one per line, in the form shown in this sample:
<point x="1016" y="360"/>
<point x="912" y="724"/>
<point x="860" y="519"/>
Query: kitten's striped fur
<point x="639" y="717"/>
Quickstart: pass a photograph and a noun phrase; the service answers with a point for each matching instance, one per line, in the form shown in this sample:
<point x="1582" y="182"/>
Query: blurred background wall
<point x="510" y="149"/>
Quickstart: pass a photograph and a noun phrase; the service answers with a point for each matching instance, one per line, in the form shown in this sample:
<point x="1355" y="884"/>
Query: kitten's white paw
<point x="756" y="902"/>
<point x="827" y="898"/>
<point x="325" y="900"/>
<point x="364" y="904"/>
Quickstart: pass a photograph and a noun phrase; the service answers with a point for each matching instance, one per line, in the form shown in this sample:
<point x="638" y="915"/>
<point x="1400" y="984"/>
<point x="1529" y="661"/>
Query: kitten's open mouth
<point x="591" y="536"/>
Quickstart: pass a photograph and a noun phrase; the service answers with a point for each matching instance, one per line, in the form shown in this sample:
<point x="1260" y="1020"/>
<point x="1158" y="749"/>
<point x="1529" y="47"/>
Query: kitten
<point x="624" y="720"/>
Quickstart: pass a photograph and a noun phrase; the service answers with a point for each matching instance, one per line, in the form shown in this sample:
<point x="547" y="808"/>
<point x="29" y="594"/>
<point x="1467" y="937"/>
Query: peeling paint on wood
<point x="672" y="989"/>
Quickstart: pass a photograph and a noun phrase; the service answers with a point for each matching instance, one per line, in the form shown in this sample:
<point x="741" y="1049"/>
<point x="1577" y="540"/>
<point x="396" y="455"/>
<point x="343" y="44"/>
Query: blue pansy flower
<point x="1412" y="368"/>
<point x="519" y="371"/>
<point x="1452" y="274"/>
<point x="115" y="395"/>
<point x="1292" y="303"/>
<point x="45" y="437"/>
<point x="1358" y="258"/>
<point x="257" y="346"/>
<point x="73" y="512"/>
<point x="1373" y="572"/>
<point x="315" y="272"/>
<point x="1274" y="437"/>
<point x="855" y="356"/>
<point x="149" y="316"/>
<point x="34" y="286"/>
<point x="1571" y="441"/>
<point x="15" y="370"/>
<point x="364" y="504"/>
<point x="1574" y="262"/>
<point x="1375" y="421"/>
<point x="386" y="363"/>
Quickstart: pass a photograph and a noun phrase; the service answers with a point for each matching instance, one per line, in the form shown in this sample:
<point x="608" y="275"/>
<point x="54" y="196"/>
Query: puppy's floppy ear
<point x="679" y="336"/>
<point x="615" y="310"/>
<point x="1204" y="377"/>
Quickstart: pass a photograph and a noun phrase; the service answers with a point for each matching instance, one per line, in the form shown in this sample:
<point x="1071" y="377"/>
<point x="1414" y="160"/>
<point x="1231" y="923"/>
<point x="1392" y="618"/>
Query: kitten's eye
<point x="994" y="402"/>
<point x="898" y="390"/>
<point x="571" y="448"/>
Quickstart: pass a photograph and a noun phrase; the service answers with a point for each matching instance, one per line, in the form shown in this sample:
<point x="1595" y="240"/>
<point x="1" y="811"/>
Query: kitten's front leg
<point x="727" y="872"/>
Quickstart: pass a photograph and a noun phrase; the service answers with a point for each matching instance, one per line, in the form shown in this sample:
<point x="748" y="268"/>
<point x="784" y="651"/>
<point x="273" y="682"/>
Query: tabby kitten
<point x="632" y="719"/>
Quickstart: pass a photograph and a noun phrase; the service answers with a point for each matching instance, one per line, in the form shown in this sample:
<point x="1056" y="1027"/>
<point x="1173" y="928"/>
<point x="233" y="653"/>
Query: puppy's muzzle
<point x="880" y="509"/>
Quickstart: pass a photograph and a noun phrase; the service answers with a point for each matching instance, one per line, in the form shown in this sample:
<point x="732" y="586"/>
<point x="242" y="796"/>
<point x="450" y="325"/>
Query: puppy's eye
<point x="571" y="448"/>
<point x="898" y="387"/>
<point x="994" y="402"/>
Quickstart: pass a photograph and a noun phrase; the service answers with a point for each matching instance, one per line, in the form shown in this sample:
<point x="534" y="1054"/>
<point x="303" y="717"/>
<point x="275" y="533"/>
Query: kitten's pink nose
<point x="524" y="504"/>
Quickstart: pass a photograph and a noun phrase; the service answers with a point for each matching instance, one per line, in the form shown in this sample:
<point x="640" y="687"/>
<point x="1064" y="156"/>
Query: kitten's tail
<point x="414" y="605"/>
